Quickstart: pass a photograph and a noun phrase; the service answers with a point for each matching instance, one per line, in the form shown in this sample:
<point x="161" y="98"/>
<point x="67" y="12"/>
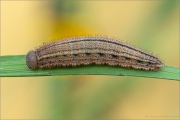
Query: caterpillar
<point x="87" y="50"/>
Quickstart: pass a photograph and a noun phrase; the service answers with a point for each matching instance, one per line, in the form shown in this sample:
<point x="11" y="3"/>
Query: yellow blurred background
<point x="150" y="25"/>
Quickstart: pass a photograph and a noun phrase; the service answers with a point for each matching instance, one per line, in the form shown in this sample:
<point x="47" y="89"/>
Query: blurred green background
<point x="150" y="25"/>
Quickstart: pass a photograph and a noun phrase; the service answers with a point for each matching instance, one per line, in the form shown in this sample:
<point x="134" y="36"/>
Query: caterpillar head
<point x="31" y="60"/>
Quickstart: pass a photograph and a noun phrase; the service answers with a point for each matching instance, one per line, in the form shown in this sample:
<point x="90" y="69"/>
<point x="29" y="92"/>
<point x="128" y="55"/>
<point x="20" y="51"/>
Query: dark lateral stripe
<point x="102" y="53"/>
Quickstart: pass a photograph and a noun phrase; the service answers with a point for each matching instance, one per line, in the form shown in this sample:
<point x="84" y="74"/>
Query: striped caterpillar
<point x="89" y="50"/>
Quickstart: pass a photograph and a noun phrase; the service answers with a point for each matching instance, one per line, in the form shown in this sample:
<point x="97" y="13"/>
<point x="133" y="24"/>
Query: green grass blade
<point x="15" y="66"/>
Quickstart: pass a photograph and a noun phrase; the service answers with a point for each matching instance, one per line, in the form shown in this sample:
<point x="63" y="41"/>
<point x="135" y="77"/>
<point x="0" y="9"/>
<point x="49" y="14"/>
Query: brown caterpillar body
<point x="91" y="50"/>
